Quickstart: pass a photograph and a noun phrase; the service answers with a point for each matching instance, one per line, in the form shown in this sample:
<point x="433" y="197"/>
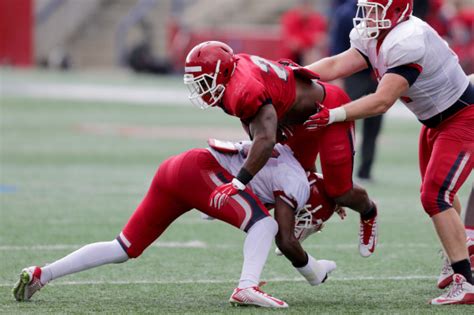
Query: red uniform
<point x="182" y="183"/>
<point x="452" y="143"/>
<point x="334" y="144"/>
<point x="257" y="81"/>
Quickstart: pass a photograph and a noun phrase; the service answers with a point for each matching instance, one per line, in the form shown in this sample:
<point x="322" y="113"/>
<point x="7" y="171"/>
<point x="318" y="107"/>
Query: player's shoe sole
<point x="20" y="287"/>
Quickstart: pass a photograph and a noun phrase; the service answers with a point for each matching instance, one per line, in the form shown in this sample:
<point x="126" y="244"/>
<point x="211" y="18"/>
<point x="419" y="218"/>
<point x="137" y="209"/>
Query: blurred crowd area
<point x="154" y="36"/>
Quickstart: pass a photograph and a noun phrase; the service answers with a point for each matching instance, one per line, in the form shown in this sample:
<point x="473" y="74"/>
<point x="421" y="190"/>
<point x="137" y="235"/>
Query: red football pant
<point x="184" y="182"/>
<point x="335" y="146"/>
<point x="446" y="160"/>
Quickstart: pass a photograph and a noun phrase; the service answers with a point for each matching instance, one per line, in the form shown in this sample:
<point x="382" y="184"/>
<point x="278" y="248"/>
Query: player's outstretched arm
<point x="314" y="271"/>
<point x="262" y="129"/>
<point x="285" y="238"/>
<point x="391" y="87"/>
<point x="263" y="132"/>
<point x="339" y="66"/>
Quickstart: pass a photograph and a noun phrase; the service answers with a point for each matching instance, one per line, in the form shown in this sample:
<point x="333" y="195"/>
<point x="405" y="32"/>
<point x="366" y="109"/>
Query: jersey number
<point x="265" y="66"/>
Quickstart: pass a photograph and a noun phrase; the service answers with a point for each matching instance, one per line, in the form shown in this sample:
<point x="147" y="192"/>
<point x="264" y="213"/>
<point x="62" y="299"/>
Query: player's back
<point x="282" y="174"/>
<point x="256" y="82"/>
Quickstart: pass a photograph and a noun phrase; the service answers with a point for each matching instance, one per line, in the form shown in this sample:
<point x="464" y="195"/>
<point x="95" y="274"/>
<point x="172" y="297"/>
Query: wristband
<point x="237" y="184"/>
<point x="337" y="114"/>
<point x="244" y="176"/>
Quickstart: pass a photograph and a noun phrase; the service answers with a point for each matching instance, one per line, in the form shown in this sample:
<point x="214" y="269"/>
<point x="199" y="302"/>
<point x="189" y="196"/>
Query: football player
<point x="272" y="101"/>
<point x="186" y="181"/>
<point x="413" y="63"/>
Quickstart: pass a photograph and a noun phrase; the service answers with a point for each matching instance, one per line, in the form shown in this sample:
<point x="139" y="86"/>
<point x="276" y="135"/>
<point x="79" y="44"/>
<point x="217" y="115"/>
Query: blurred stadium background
<point x="92" y="100"/>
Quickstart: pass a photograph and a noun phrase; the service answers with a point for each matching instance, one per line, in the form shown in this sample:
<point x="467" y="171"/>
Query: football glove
<point x="221" y="194"/>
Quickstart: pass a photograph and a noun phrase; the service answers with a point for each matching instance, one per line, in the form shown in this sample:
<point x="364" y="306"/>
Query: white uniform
<point x="282" y="175"/>
<point x="442" y="80"/>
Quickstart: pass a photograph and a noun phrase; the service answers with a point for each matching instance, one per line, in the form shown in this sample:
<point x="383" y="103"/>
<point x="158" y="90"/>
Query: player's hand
<point x="221" y="194"/>
<point x="341" y="212"/>
<point x="321" y="119"/>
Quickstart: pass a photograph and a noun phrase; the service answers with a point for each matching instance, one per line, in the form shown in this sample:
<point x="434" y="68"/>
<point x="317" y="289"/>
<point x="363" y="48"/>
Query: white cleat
<point x="461" y="292"/>
<point x="28" y="284"/>
<point x="446" y="276"/>
<point x="470" y="249"/>
<point x="255" y="296"/>
<point x="367" y="236"/>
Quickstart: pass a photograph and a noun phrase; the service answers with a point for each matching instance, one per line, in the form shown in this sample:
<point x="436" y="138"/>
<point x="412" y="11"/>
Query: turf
<point x="63" y="185"/>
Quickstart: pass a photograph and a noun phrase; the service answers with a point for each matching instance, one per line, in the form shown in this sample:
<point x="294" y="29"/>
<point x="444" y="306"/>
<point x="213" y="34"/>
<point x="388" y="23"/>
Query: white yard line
<point x="204" y="245"/>
<point x="220" y="281"/>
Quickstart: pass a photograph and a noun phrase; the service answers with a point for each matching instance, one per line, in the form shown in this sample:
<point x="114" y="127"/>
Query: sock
<point x="470" y="231"/>
<point x="256" y="247"/>
<point x="89" y="256"/>
<point x="463" y="267"/>
<point x="316" y="271"/>
<point x="305" y="264"/>
<point x="370" y="214"/>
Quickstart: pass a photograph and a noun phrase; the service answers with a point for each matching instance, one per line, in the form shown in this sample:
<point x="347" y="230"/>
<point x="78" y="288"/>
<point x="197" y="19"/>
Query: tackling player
<point x="186" y="181"/>
<point x="413" y="63"/>
<point x="273" y="99"/>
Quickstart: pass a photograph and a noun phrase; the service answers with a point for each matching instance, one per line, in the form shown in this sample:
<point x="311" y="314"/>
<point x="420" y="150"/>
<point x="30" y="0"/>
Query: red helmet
<point x="375" y="15"/>
<point x="319" y="207"/>
<point x="208" y="68"/>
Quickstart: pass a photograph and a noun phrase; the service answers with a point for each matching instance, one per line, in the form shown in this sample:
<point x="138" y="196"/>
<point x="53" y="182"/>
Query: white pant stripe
<point x="456" y="177"/>
<point x="124" y="240"/>
<point x="241" y="201"/>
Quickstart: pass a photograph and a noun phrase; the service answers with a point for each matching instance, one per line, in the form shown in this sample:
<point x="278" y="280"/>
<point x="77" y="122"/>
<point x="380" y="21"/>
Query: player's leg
<point x="469" y="224"/>
<point x="444" y="170"/>
<point x="244" y="211"/>
<point x="156" y="211"/>
<point x="337" y="161"/>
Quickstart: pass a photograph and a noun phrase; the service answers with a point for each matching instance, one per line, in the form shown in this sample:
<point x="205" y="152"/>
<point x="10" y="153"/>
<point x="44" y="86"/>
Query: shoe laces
<point x="447" y="269"/>
<point x="455" y="290"/>
<point x="370" y="225"/>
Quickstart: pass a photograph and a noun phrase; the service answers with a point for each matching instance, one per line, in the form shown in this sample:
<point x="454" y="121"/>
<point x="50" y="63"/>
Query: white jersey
<point x="441" y="81"/>
<point x="282" y="175"/>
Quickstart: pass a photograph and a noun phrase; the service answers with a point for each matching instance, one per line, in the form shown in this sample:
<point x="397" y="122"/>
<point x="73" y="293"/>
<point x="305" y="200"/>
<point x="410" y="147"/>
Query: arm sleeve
<point x="358" y="43"/>
<point x="404" y="52"/>
<point x="251" y="101"/>
<point x="410" y="72"/>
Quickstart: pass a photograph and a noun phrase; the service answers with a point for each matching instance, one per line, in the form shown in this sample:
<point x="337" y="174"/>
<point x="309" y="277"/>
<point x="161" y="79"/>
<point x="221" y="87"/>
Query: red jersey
<point x="256" y="82"/>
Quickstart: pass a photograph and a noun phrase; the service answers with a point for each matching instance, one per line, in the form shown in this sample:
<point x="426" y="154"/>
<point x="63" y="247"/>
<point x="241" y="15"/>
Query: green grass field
<point x="73" y="171"/>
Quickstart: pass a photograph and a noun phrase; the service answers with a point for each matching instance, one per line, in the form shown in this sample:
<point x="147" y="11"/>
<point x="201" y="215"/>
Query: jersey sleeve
<point x="251" y="99"/>
<point x="358" y="43"/>
<point x="405" y="51"/>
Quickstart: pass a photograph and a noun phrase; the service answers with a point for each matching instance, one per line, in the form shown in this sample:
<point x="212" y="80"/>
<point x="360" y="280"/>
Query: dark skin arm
<point x="285" y="239"/>
<point x="262" y="130"/>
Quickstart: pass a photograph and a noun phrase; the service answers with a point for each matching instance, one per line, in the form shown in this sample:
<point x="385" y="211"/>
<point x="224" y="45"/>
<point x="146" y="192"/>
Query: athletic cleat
<point x="470" y="245"/>
<point x="368" y="236"/>
<point x="28" y="284"/>
<point x="446" y="276"/>
<point x="470" y="249"/>
<point x="461" y="292"/>
<point x="255" y="296"/>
